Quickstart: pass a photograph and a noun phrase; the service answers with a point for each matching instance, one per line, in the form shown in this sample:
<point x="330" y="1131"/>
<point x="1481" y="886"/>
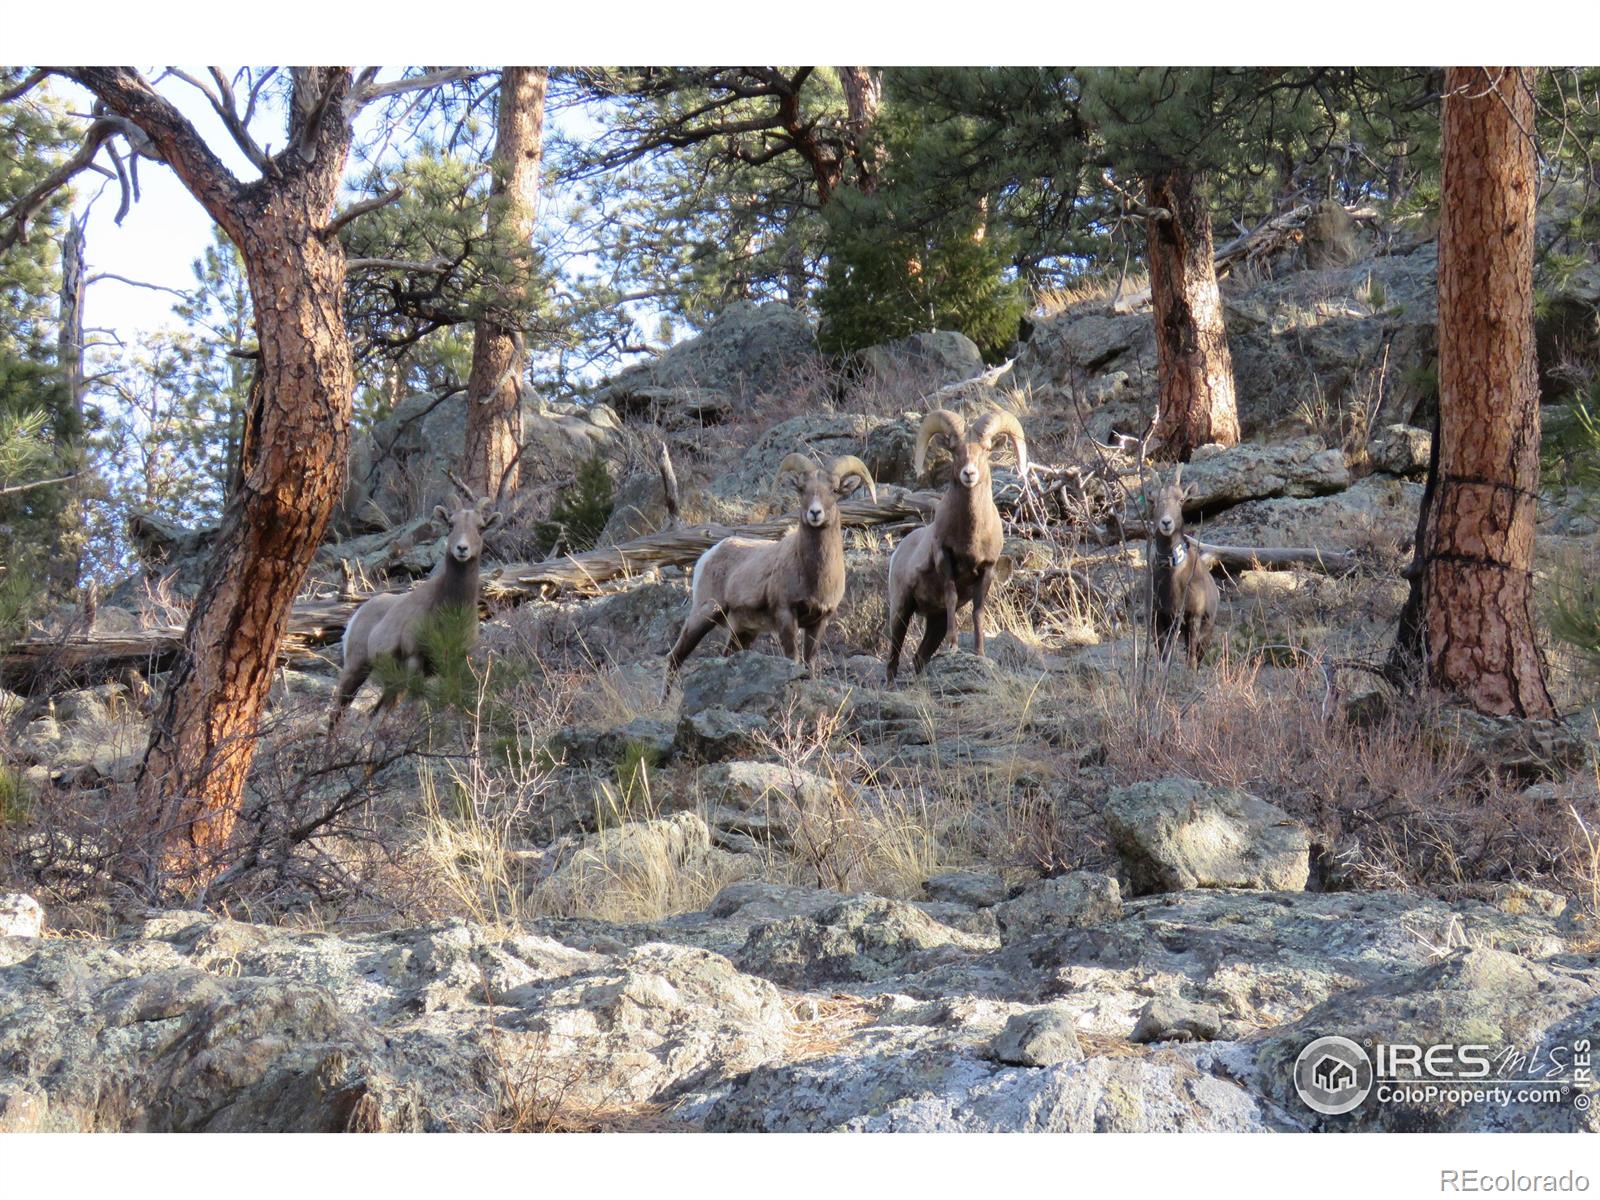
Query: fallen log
<point x="79" y="659"/>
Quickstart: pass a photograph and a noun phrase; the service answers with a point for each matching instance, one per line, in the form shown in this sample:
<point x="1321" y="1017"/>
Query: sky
<point x="166" y="230"/>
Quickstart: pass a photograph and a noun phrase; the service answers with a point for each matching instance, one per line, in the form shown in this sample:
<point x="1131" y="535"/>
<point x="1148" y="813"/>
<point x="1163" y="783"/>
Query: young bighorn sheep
<point x="750" y="586"/>
<point x="389" y="624"/>
<point x="956" y="558"/>
<point x="1185" y="596"/>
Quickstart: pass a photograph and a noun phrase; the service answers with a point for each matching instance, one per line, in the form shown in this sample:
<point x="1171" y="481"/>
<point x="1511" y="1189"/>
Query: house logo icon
<point x="1332" y="1075"/>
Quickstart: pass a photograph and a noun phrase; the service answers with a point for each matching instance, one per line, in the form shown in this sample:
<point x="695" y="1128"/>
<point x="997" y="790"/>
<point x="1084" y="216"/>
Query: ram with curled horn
<point x="750" y="586"/>
<point x="956" y="558"/>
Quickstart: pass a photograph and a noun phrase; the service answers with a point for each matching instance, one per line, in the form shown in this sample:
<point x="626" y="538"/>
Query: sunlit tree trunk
<point x="67" y="565"/>
<point x="494" y="394"/>
<point x="1468" y="625"/>
<point x="1194" y="366"/>
<point x="191" y="783"/>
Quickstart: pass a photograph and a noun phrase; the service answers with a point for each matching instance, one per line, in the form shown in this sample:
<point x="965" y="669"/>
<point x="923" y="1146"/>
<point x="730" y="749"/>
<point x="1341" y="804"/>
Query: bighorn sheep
<point x="956" y="558"/>
<point x="388" y="625"/>
<point x="751" y="586"/>
<point x="1185" y="596"/>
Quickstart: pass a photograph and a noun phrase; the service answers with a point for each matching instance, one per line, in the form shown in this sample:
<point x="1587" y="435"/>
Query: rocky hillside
<point x="1059" y="887"/>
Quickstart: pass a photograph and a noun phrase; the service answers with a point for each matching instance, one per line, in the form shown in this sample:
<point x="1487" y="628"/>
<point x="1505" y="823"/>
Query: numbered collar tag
<point x="1179" y="553"/>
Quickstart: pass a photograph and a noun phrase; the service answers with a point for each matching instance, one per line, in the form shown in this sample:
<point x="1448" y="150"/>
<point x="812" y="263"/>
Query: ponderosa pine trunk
<point x="1467" y="627"/>
<point x="203" y="739"/>
<point x="1194" y="367"/>
<point x="494" y="392"/>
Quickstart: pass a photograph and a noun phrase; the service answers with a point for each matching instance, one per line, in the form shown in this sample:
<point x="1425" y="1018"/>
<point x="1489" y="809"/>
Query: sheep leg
<point x="952" y="599"/>
<point x="980" y="593"/>
<point x="788" y="631"/>
<point x="694" y="629"/>
<point x="932" y="636"/>
<point x="350" y="681"/>
<point x="738" y="641"/>
<point x="899" y="623"/>
<point x="814" y="643"/>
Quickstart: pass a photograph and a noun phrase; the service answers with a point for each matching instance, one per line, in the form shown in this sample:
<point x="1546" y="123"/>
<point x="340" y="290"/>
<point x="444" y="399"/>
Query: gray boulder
<point x="975" y="889"/>
<point x="1176" y="834"/>
<point x="1172" y="1019"/>
<point x="1378" y="514"/>
<point x="926" y="360"/>
<point x="857" y="940"/>
<point x="1401" y="450"/>
<point x="1040" y="1038"/>
<point x="748" y="350"/>
<point x="729" y="702"/>
<point x="1072" y="901"/>
<point x="21" y="916"/>
<point x="1254" y="470"/>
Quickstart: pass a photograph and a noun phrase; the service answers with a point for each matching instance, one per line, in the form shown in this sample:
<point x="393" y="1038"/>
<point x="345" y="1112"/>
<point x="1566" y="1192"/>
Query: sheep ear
<point x="850" y="483"/>
<point x="441" y="514"/>
<point x="493" y="519"/>
<point x="1003" y="567"/>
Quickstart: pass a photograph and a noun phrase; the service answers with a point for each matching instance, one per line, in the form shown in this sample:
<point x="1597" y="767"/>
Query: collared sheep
<point x="1184" y="597"/>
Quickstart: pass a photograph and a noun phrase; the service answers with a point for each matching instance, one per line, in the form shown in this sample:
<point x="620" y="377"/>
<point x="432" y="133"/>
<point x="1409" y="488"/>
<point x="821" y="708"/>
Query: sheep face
<point x="1167" y="512"/>
<point x="969" y="464"/>
<point x="466" y="527"/>
<point x="1166" y="506"/>
<point x="820" y="495"/>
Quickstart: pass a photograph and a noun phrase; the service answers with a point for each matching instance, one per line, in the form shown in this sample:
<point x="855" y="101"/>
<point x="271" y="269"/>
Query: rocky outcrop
<point x="191" y="1023"/>
<point x="1176" y="834"/>
<point x="400" y="470"/>
<point x="925" y="360"/>
<point x="1185" y="1011"/>
<point x="1257" y="470"/>
<point x="20" y="916"/>
<point x="1073" y="901"/>
<point x="854" y="941"/>
<point x="1377" y="514"/>
<point x="748" y="350"/>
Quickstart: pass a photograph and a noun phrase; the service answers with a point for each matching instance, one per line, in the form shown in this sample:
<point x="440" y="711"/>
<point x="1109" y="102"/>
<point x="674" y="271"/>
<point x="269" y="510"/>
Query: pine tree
<point x="40" y="428"/>
<point x="1468" y="624"/>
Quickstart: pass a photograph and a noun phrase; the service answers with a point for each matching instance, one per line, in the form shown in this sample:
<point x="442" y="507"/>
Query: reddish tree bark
<point x="494" y="393"/>
<point x="1194" y="366"/>
<point x="202" y="742"/>
<point x="1468" y="623"/>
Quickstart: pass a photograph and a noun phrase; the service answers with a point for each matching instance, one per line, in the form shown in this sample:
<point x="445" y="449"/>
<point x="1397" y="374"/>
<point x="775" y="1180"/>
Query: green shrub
<point x="13" y="797"/>
<point x="579" y="512"/>
<point x="881" y="284"/>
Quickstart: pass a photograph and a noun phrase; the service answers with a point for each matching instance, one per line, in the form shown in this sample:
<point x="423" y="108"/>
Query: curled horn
<point x="796" y="464"/>
<point x="998" y="424"/>
<point x="940" y="422"/>
<point x="847" y="465"/>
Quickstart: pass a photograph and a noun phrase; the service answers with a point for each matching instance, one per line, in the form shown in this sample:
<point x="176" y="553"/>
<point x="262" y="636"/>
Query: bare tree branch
<point x="38" y="483"/>
<point x="128" y="94"/>
<point x="377" y="91"/>
<point x="29" y="82"/>
<point x="371" y="204"/>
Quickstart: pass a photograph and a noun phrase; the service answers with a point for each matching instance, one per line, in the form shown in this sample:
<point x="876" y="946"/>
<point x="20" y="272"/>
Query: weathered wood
<point x="82" y="659"/>
<point x="314" y="623"/>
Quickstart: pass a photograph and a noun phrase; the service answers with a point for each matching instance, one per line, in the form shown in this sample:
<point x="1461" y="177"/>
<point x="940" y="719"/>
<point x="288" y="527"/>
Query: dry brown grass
<point x="1095" y="290"/>
<point x="1396" y="803"/>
